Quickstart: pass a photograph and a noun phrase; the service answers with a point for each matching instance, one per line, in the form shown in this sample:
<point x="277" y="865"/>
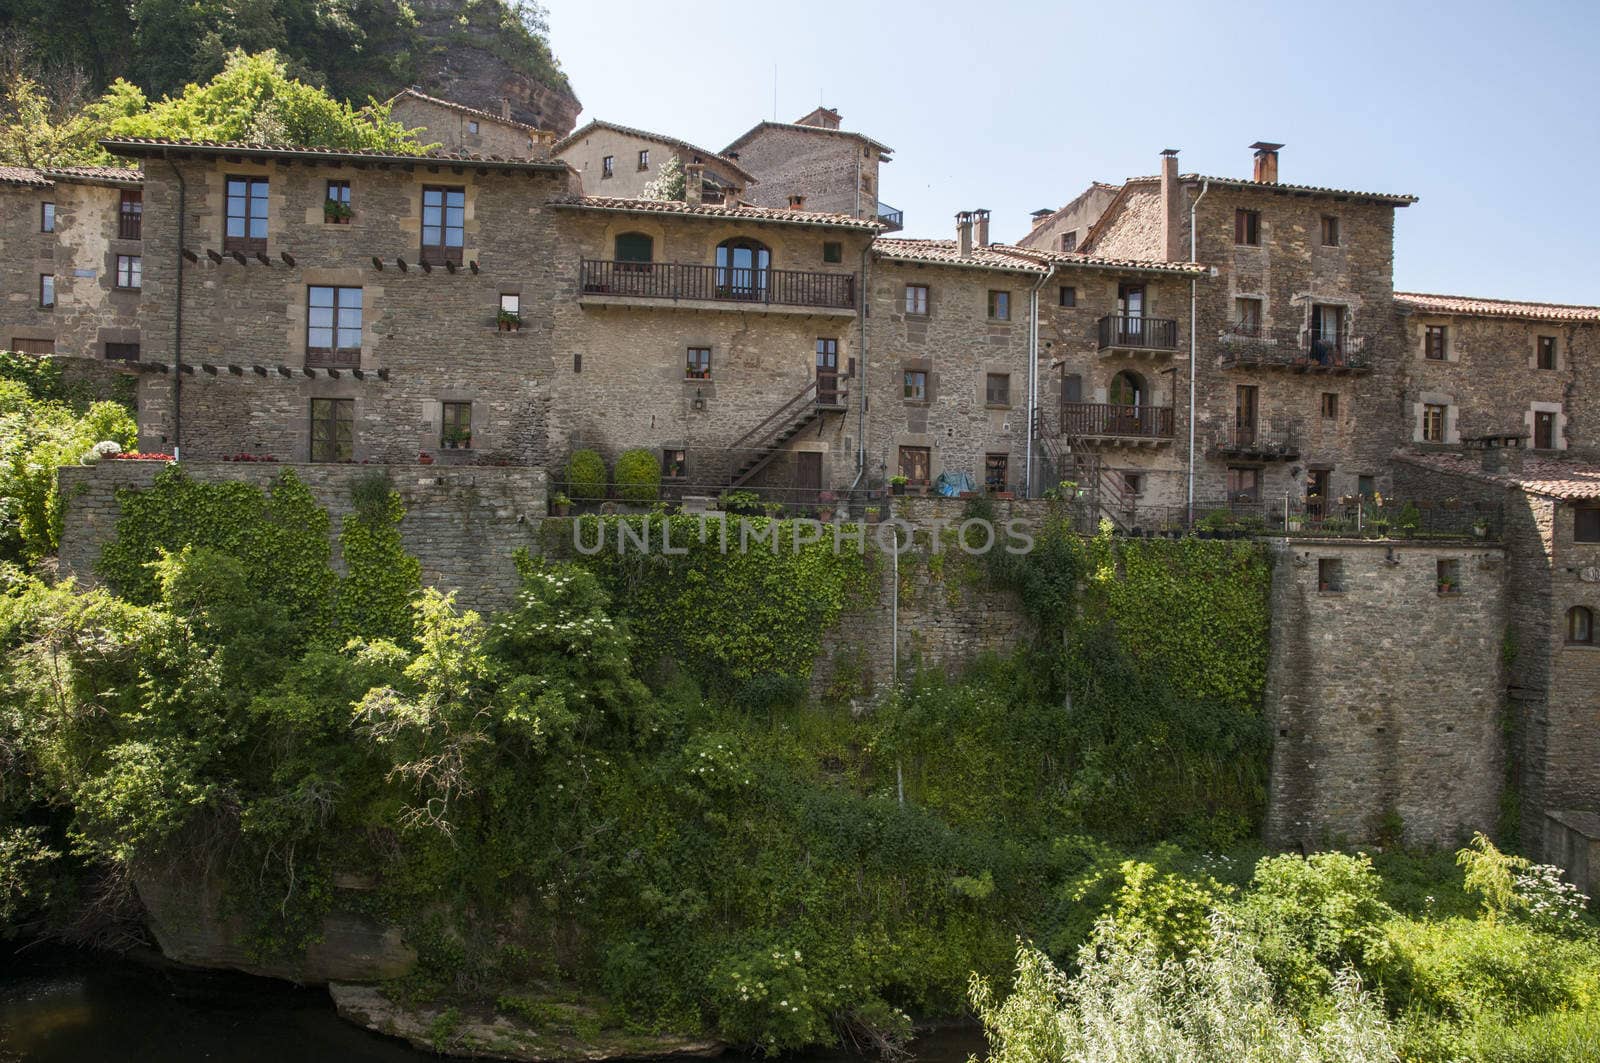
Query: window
<point x="130" y="271"/>
<point x="333" y="429"/>
<point x="472" y="127"/>
<point x="246" y="228"/>
<point x="827" y="371"/>
<point x="511" y="303"/>
<point x="644" y="158"/>
<point x="916" y="385"/>
<point x="997" y="389"/>
<point x="1547" y="352"/>
<point x="577" y="361"/>
<point x="1247" y="227"/>
<point x="336" y="205"/>
<point x="1330" y="574"/>
<point x="1586" y="524"/>
<point x="698" y="366"/>
<point x="1366" y="486"/>
<point x="994" y="472"/>
<point x="1247" y="316"/>
<point x="607" y="167"/>
<point x="47" y="290"/>
<point x="1133" y="482"/>
<point x="47" y="217"/>
<point x="22" y="346"/>
<point x="130" y="215"/>
<point x="1447" y="575"/>
<point x="1330" y="405"/>
<point x="1327" y="334"/>
<point x="999" y="306"/>
<point x="1069" y="295"/>
<point x="1069" y="241"/>
<point x="1433" y="343"/>
<point x="674" y="465"/>
<point x="917" y="299"/>
<point x="333" y="325"/>
<point x="915" y="463"/>
<point x="1544" y="430"/>
<point x="635" y="247"/>
<point x="1580" y="626"/>
<point x="1244" y="484"/>
<point x="1330" y="230"/>
<point x="742" y="267"/>
<point x="122" y="352"/>
<point x="455" y="426"/>
<point x="1433" y="423"/>
<point x="833" y="251"/>
<point x="444" y="224"/>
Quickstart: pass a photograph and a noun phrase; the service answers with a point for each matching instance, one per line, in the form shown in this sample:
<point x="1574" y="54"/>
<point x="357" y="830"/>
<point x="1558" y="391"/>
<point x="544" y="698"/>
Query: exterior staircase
<point x="754" y="450"/>
<point x="1102" y="492"/>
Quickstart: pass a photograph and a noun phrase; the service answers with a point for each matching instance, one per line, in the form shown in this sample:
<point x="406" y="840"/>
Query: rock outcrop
<point x="473" y="64"/>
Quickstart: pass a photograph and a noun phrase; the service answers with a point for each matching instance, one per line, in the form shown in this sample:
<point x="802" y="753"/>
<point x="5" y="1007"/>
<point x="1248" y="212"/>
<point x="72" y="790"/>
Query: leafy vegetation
<point x="586" y="476"/>
<point x="638" y="476"/>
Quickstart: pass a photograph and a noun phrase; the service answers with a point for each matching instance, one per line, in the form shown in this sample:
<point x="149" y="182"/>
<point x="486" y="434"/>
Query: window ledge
<point x="998" y="406"/>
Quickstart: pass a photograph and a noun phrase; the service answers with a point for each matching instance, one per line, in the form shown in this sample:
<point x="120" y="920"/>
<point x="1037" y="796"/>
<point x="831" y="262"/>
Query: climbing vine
<point x="381" y="580"/>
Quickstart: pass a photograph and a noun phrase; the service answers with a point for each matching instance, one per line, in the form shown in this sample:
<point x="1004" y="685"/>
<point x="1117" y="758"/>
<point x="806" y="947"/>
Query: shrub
<point x="638" y="476"/>
<point x="586" y="476"/>
<point x="1460" y="969"/>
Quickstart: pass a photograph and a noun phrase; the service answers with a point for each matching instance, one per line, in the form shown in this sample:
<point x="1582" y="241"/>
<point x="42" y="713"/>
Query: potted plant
<point x="1480" y="528"/>
<point x="872" y="514"/>
<point x="560" y="504"/>
<point x="1447" y="585"/>
<point x="825" y="506"/>
<point x="424" y="458"/>
<point x="897" y="484"/>
<point x="336" y="211"/>
<point x="457" y="439"/>
<point x="508" y="321"/>
<point x="772" y="509"/>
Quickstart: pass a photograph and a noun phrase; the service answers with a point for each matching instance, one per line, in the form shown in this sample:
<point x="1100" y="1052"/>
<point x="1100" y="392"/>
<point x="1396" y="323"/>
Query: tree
<point x="668" y="183"/>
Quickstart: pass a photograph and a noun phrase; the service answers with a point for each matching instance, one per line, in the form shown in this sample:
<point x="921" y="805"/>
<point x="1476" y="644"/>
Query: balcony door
<point x="1128" y="399"/>
<point x="1130" y="314"/>
<point x="1327" y="334"/>
<point x="1317" y="493"/>
<point x="742" y="267"/>
<point x="1244" y="415"/>
<point x="827" y="372"/>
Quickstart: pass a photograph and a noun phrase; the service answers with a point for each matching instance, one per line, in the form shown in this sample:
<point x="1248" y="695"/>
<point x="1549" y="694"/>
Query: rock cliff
<point x="469" y="54"/>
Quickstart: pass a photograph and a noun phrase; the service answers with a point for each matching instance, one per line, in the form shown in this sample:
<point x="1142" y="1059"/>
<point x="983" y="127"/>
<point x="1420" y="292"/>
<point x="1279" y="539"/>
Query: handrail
<point x="776" y="415"/>
<point x="738" y="284"/>
<point x="1138" y="332"/>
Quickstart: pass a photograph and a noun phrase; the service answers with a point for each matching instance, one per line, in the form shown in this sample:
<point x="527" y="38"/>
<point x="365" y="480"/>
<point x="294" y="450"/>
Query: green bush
<point x="1461" y="970"/>
<point x="638" y="476"/>
<point x="586" y="476"/>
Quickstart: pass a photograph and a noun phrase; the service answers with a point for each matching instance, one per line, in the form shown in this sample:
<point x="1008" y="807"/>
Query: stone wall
<point x="587" y="155"/>
<point x="836" y="171"/>
<point x="452" y="129"/>
<point x="1384" y="697"/>
<point x="462" y="523"/>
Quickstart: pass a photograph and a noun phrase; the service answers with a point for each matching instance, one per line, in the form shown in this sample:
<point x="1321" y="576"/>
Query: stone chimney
<point x="1039" y="216"/>
<point x="821" y="118"/>
<point x="981" y="226"/>
<point x="964" y="233"/>
<point x="505" y="108"/>
<point x="797" y="201"/>
<point x="1502" y="454"/>
<point x="1171" y="209"/>
<point x="1266" y="161"/>
<point x="694" y="180"/>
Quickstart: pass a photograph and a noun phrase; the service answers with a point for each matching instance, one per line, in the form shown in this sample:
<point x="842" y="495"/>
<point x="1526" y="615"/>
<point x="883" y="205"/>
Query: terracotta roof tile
<point x="464" y="109"/>
<point x="883" y="149"/>
<point x="1551" y="477"/>
<point x="717" y="210"/>
<point x="1010" y="257"/>
<point x="25" y="176"/>
<point x="1471" y="306"/>
<point x="645" y="134"/>
<point x="1314" y="190"/>
<point x="144" y="146"/>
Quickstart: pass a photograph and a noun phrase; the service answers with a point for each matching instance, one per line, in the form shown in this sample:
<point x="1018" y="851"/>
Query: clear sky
<point x="1490" y="112"/>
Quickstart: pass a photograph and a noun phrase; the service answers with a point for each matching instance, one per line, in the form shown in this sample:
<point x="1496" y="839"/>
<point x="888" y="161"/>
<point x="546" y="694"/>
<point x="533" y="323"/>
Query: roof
<point x="883" y="149"/>
<point x="144" y="147"/>
<point x="1303" y="190"/>
<point x="1012" y="258"/>
<point x="464" y="109"/>
<point x="1552" y="477"/>
<point x="741" y="211"/>
<point x="45" y="177"/>
<point x="1043" y="219"/>
<point x="645" y="134"/>
<point x="1471" y="306"/>
<point x="25" y="176"/>
<point x="1131" y="225"/>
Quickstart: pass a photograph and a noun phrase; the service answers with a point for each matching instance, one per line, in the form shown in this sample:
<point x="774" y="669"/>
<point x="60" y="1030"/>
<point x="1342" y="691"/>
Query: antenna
<point x="774" y="92"/>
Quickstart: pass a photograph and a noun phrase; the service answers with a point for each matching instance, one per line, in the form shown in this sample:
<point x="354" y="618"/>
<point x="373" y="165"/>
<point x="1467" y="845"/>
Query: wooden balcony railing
<point x="1111" y="419"/>
<point x="130" y="225"/>
<point x="676" y="280"/>
<point x="323" y="357"/>
<point x="1138" y="333"/>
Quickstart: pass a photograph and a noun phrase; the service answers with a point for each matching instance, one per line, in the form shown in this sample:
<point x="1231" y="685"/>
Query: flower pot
<point x="1322" y="586"/>
<point x="425" y="459"/>
<point x="560" y="509"/>
<point x="898" y="489"/>
<point x="825" y="515"/>
<point x="873" y="516"/>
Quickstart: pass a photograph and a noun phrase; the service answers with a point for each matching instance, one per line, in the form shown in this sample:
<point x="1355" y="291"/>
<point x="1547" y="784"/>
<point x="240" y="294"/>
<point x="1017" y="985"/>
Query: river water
<point x="60" y="1006"/>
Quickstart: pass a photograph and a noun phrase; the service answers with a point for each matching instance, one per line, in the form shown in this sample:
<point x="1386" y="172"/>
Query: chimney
<point x="964" y="233"/>
<point x="1171" y="209"/>
<point x="797" y="202"/>
<point x="821" y="118"/>
<point x="694" y="180"/>
<point x="981" y="218"/>
<point x="505" y="108"/>
<point x="1502" y="454"/>
<point x="1266" y="162"/>
<point x="1039" y="216"/>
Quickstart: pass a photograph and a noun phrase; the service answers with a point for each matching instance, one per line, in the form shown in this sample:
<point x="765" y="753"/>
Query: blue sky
<point x="1490" y="112"/>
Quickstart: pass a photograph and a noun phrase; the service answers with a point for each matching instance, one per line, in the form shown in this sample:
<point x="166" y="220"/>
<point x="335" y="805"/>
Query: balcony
<point x="892" y="220"/>
<point x="1123" y="333"/>
<point x="1116" y="424"/>
<point x="1246" y="345"/>
<point x="1257" y="444"/>
<point x="602" y="281"/>
<point x="130" y="224"/>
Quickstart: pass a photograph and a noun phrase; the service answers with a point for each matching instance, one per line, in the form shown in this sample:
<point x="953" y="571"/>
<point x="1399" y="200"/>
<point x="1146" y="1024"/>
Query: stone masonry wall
<point x="452" y="129"/>
<point x="462" y="523"/>
<point x="836" y="172"/>
<point x="1384" y="697"/>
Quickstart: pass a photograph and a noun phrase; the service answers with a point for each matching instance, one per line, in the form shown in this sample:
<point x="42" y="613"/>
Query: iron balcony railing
<point x="1113" y="419"/>
<point x="1345" y="518"/>
<point x="1246" y="344"/>
<point x="676" y="280"/>
<point x="1138" y="333"/>
<point x="892" y="220"/>
<point x="1258" y="442"/>
<point x="130" y="224"/>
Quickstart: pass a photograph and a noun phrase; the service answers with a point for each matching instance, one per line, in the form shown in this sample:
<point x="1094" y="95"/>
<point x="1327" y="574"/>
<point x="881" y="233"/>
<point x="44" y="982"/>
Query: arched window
<point x="635" y="247"/>
<point x="742" y="266"/>
<point x="1127" y="389"/>
<point x="1580" y="626"/>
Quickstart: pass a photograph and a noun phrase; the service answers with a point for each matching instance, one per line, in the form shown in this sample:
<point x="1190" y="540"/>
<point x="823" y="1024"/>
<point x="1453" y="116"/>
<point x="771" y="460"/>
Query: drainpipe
<point x="862" y="291"/>
<point x="1194" y="347"/>
<point x="1033" y="379"/>
<point x="177" y="318"/>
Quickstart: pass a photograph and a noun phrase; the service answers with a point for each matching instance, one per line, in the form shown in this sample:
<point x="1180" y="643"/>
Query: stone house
<point x="619" y="161"/>
<point x="74" y="260"/>
<point x="815" y="165"/>
<point x="470" y="130"/>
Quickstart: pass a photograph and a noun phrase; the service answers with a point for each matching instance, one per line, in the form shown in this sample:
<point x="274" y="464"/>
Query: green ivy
<point x="381" y="580"/>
